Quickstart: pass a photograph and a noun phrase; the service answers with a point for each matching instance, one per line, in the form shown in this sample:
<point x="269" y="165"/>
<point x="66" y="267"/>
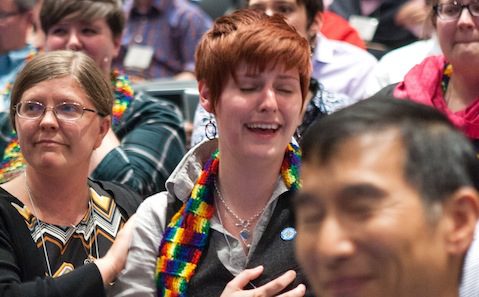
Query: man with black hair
<point x="389" y="202"/>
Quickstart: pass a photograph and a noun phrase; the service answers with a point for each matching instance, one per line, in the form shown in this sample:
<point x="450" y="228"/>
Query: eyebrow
<point x="361" y="190"/>
<point x="346" y="194"/>
<point x="256" y="75"/>
<point x="304" y="199"/>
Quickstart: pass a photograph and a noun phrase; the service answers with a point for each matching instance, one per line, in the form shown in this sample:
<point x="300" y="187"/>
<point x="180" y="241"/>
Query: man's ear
<point x="317" y="23"/>
<point x="462" y="211"/>
<point x="205" y="97"/>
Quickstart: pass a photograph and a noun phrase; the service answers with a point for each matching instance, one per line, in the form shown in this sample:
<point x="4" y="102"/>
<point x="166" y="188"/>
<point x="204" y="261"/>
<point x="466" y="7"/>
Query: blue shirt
<point x="10" y="64"/>
<point x="172" y="28"/>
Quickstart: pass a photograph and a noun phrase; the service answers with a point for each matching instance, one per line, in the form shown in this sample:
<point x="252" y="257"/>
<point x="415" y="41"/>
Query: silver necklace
<point x="89" y="258"/>
<point x="244" y="224"/>
<point x="227" y="240"/>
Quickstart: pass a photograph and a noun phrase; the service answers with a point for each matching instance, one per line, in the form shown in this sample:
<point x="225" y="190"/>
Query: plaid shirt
<point x="152" y="144"/>
<point x="173" y="28"/>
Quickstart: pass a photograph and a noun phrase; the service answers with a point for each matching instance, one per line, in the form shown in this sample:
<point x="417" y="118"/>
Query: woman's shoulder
<point x="125" y="198"/>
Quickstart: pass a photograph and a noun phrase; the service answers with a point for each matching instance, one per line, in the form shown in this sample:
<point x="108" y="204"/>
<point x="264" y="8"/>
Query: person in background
<point x="388" y="32"/>
<point x="449" y="82"/>
<point x="341" y="67"/>
<point x="147" y="139"/>
<point x="57" y="227"/>
<point x="160" y="38"/>
<point x="16" y="19"/>
<point x="227" y="205"/>
<point x="394" y="65"/>
<point x="389" y="202"/>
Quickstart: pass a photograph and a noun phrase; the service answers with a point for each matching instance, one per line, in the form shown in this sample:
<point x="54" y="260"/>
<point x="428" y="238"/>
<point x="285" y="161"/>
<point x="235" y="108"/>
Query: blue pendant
<point x="244" y="234"/>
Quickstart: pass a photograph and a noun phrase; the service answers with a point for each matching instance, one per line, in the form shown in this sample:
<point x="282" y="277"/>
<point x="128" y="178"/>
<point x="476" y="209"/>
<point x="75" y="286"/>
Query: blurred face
<point x="13" y="26"/>
<point x="49" y="143"/>
<point x="258" y="113"/>
<point x="459" y="39"/>
<point x="362" y="230"/>
<point x="93" y="38"/>
<point x="294" y="13"/>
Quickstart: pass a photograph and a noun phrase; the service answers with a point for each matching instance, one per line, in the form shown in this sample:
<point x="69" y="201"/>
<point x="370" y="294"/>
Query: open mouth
<point x="263" y="128"/>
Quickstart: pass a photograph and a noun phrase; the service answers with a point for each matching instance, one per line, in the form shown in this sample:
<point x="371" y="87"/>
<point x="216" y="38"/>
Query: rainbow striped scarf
<point x="187" y="233"/>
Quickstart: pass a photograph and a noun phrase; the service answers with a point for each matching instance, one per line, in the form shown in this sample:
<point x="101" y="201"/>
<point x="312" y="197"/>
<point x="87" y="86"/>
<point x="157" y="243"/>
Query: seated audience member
<point x="231" y="195"/>
<point x="16" y="19"/>
<point x="394" y="65"/>
<point x="304" y="16"/>
<point x="388" y="32"/>
<point x="147" y="138"/>
<point x="57" y="227"/>
<point x="413" y="15"/>
<point x="341" y="67"/>
<point x="388" y="203"/>
<point x="160" y="38"/>
<point x="449" y="82"/>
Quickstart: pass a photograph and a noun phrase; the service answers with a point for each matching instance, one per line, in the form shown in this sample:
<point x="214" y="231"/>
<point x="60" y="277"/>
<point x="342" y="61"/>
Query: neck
<point x="463" y="90"/>
<point x="56" y="200"/>
<point x="247" y="185"/>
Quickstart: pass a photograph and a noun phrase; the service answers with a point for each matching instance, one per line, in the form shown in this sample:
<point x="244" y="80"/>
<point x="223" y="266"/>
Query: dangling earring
<point x="210" y="128"/>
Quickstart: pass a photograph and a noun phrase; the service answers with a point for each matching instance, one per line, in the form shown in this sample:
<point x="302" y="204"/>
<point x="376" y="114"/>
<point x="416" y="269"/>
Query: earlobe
<point x="205" y="97"/>
<point x="462" y="211"/>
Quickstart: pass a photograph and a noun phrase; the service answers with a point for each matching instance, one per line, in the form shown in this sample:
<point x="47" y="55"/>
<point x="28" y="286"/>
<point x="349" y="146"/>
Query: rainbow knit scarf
<point x="187" y="233"/>
<point x="13" y="162"/>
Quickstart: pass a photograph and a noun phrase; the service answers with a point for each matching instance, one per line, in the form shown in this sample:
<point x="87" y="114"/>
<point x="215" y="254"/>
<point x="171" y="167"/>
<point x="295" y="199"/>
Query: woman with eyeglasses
<point x="147" y="138"/>
<point x="57" y="226"/>
<point x="449" y="82"/>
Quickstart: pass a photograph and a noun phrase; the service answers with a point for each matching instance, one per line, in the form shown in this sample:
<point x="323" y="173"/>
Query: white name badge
<point x="365" y="26"/>
<point x="138" y="57"/>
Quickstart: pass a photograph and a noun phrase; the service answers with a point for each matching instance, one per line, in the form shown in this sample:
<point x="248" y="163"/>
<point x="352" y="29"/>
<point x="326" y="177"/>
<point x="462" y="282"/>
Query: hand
<point x="412" y="13"/>
<point x="235" y="287"/>
<point x="114" y="261"/>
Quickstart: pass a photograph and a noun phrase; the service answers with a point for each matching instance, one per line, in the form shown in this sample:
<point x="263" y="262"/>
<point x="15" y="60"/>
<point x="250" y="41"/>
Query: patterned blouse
<point x="68" y="247"/>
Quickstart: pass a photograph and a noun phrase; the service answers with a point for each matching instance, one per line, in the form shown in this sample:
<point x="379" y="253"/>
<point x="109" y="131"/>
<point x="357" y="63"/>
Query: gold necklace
<point x="88" y="259"/>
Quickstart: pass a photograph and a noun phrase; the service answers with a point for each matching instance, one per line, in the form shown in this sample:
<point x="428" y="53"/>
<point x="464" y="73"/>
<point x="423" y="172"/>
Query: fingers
<point x="114" y="260"/>
<point x="235" y="287"/>
<point x="277" y="285"/>
<point x="299" y="291"/>
<point x="241" y="280"/>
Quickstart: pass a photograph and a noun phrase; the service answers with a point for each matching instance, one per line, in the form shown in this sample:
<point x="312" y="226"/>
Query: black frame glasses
<point x="452" y="11"/>
<point x="65" y="111"/>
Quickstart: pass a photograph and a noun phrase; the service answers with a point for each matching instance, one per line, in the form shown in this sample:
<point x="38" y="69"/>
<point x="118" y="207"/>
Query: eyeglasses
<point x="452" y="11"/>
<point x="65" y="111"/>
<point x="6" y="15"/>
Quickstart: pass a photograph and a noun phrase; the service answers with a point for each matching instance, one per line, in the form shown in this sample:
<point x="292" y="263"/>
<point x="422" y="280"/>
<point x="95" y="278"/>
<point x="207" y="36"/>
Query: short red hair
<point x="255" y="38"/>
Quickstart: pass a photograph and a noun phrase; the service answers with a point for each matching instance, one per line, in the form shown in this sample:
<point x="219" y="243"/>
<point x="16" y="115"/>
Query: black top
<point x="388" y="32"/>
<point x="22" y="264"/>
